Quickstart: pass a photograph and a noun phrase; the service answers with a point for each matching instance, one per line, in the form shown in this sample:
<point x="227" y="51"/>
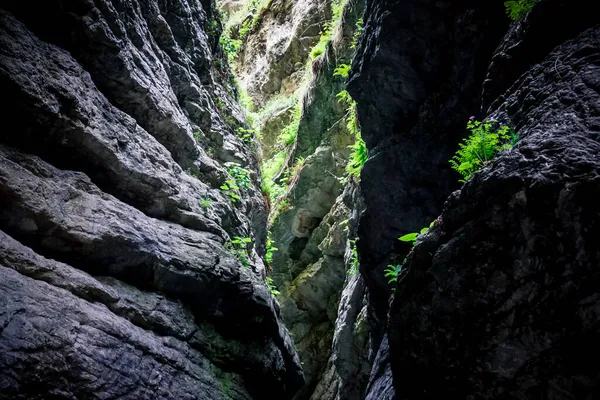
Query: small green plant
<point x="290" y="131"/>
<point x="271" y="249"/>
<point x="337" y="6"/>
<point x="230" y="188"/>
<point x="230" y="46"/>
<point x="271" y="286"/>
<point x="486" y="140"/>
<point x="359" y="154"/>
<point x="518" y="8"/>
<point x="354" y="259"/>
<point x="239" y="248"/>
<point x="342" y="70"/>
<point x="412" y="237"/>
<point x="357" y="33"/>
<point x="391" y="272"/>
<point x="206" y="203"/>
<point x="245" y="134"/>
<point x="241" y="175"/>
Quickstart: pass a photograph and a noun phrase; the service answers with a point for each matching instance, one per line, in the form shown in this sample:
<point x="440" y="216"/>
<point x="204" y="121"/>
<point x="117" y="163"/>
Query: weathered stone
<point x="494" y="302"/>
<point x="116" y="281"/>
<point x="278" y="49"/>
<point x="506" y="286"/>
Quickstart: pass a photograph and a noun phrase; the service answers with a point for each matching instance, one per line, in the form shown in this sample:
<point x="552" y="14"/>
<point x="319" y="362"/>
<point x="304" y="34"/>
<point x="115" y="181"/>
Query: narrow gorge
<point x="307" y="200"/>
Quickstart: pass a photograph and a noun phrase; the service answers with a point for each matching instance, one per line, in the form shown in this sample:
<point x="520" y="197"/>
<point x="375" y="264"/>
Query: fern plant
<point x="271" y="286"/>
<point x="486" y="140"/>
<point x="342" y="70"/>
<point x="359" y="154"/>
<point x="518" y="8"/>
<point x="354" y="260"/>
<point x="270" y="250"/>
<point x="391" y="272"/>
<point x="238" y="246"/>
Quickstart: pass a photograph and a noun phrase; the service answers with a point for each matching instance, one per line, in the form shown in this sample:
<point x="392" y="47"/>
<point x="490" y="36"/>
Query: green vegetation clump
<point x="337" y="6"/>
<point x="206" y="203"/>
<point x="354" y="260"/>
<point x="357" y="33"/>
<point x="231" y="190"/>
<point x="289" y="133"/>
<point x="271" y="286"/>
<point x="518" y="8"/>
<point x="486" y="140"/>
<point x="342" y="70"/>
<point x="391" y="272"/>
<point x="270" y="250"/>
<point x="239" y="248"/>
<point x="245" y="134"/>
<point x="359" y="154"/>
<point x="230" y="46"/>
<point x="241" y="175"/>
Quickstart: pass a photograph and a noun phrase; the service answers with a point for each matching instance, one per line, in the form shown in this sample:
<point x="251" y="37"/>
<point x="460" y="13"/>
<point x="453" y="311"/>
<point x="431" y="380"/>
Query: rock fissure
<point x="203" y="200"/>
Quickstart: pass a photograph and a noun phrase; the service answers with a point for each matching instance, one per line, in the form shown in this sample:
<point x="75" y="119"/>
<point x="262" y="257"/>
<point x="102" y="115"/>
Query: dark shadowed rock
<point x="501" y="299"/>
<point x="116" y="279"/>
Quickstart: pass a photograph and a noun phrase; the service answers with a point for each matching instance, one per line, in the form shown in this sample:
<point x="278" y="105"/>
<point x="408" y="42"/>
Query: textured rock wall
<point x="497" y="300"/>
<point x="310" y="267"/>
<point x="275" y="53"/>
<point x="116" y="280"/>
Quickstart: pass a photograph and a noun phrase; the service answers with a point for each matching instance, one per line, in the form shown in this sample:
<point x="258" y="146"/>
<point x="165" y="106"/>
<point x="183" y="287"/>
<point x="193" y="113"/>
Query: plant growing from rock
<point x="391" y="272"/>
<point x="412" y="237"/>
<point x="518" y="8"/>
<point x="359" y="154"/>
<point x="241" y="175"/>
<point x="342" y="70"/>
<point x="230" y="188"/>
<point x="486" y="140"/>
<point x="354" y="259"/>
<point x="271" y="286"/>
<point x="359" y="28"/>
<point x="238" y="246"/>
<point x="326" y="34"/>
<point x="245" y="134"/>
<point x="230" y="46"/>
<point x="270" y="250"/>
<point x="206" y="203"/>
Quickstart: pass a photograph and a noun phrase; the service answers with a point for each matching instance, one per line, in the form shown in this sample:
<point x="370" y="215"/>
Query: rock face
<point x="499" y="299"/>
<point x="117" y="278"/>
<point x="311" y="264"/>
<point x="275" y="53"/>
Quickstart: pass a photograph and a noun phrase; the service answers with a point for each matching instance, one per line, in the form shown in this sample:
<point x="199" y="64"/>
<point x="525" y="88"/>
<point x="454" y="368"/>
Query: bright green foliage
<point x="486" y="140"/>
<point x="412" y="237"/>
<point x="230" y="46"/>
<point x="271" y="286"/>
<point x="256" y="8"/>
<point x="337" y="6"/>
<point x="230" y="188"/>
<point x="269" y="169"/>
<point x="342" y="70"/>
<point x="289" y="133"/>
<point x="245" y="134"/>
<point x="241" y="175"/>
<point x="359" y="154"/>
<point x="518" y="8"/>
<point x="206" y="203"/>
<point x="357" y="33"/>
<point x="391" y="272"/>
<point x="239" y="248"/>
<point x="270" y="250"/>
<point x="354" y="260"/>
